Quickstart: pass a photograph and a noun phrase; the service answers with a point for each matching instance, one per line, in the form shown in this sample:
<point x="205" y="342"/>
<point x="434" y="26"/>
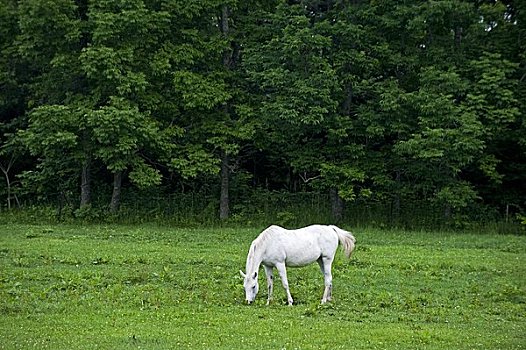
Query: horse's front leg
<point x="283" y="275"/>
<point x="270" y="282"/>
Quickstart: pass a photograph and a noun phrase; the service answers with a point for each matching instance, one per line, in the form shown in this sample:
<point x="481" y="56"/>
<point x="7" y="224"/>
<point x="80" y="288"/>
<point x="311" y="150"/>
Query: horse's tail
<point x="346" y="239"/>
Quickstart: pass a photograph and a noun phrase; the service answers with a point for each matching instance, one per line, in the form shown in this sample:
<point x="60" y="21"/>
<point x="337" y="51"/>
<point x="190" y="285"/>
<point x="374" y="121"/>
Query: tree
<point x="214" y="113"/>
<point x="372" y="102"/>
<point x="47" y="48"/>
<point x="115" y="64"/>
<point x="93" y="113"/>
<point x="288" y="62"/>
<point x="11" y="97"/>
<point x="448" y="139"/>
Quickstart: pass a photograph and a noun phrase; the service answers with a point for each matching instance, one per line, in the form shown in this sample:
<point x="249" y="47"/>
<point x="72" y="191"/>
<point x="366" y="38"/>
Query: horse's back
<point x="300" y="247"/>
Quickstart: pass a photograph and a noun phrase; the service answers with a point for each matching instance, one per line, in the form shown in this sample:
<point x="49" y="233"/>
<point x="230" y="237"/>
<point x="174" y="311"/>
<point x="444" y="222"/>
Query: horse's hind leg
<point x="283" y="275"/>
<point x="270" y="282"/>
<point x="326" y="267"/>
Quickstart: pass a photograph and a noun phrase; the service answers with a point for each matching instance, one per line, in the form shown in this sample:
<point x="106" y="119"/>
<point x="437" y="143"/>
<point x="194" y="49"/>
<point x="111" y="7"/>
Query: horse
<point x="278" y="247"/>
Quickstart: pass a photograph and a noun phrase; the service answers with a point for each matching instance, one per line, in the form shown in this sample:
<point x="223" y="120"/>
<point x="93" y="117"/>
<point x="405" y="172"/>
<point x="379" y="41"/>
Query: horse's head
<point x="251" y="286"/>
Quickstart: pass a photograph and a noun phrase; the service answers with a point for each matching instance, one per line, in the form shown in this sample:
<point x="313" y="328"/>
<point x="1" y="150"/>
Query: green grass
<point x="150" y="287"/>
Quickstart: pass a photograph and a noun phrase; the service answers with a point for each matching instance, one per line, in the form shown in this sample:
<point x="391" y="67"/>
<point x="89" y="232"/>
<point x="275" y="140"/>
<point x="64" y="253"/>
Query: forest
<point x="396" y="112"/>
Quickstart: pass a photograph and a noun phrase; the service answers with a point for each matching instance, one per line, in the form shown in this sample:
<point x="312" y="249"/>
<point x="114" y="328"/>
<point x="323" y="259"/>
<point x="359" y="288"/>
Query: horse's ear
<point x="242" y="274"/>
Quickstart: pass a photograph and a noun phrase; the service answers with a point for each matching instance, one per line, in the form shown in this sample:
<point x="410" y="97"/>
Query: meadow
<point x="154" y="287"/>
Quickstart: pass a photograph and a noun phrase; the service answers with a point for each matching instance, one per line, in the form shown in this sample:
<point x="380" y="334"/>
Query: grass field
<point x="150" y="287"/>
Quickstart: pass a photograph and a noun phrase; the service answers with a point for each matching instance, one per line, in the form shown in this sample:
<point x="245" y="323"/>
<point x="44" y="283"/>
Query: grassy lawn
<point x="150" y="287"/>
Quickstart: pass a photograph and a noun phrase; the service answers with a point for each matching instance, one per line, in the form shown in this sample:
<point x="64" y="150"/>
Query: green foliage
<point x="298" y="81"/>
<point x="449" y="139"/>
<point x="199" y="91"/>
<point x="384" y="102"/>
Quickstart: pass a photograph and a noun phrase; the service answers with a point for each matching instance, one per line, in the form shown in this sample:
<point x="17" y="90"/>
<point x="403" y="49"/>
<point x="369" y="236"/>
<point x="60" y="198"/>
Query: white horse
<point x="278" y="247"/>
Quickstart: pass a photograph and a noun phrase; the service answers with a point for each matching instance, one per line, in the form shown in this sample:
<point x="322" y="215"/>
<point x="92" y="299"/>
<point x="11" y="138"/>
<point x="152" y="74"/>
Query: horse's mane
<point x="261" y="240"/>
<point x="268" y="233"/>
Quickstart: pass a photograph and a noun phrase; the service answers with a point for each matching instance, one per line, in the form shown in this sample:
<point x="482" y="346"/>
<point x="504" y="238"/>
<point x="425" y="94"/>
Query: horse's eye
<point x="253" y="287"/>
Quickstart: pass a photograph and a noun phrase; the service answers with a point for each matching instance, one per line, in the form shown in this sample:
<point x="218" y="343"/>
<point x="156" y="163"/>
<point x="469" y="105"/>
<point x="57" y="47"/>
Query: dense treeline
<point x="368" y="102"/>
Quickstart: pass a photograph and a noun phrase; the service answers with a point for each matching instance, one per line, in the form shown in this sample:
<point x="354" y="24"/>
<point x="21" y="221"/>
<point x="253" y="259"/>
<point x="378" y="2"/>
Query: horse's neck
<point x="254" y="259"/>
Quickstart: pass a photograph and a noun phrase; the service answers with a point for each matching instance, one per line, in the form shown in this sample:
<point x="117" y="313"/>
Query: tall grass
<point x="261" y="208"/>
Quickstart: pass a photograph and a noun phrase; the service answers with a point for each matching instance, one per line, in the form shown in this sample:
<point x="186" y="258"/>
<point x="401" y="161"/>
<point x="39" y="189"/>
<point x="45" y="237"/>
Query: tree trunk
<point x="6" y="170"/>
<point x="8" y="183"/>
<point x="347" y="103"/>
<point x="224" y="201"/>
<point x="336" y="205"/>
<point x="224" y="209"/>
<point x="458" y="37"/>
<point x="116" y="195"/>
<point x="85" y="185"/>
<point x="227" y="57"/>
<point x="395" y="215"/>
